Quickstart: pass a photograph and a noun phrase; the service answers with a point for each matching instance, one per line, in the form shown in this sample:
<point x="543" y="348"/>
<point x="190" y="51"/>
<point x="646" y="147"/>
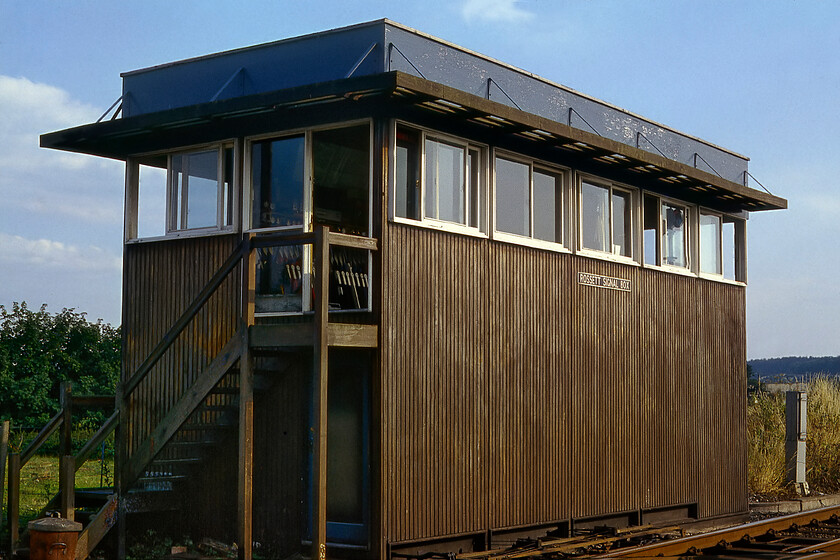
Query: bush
<point x="766" y="432"/>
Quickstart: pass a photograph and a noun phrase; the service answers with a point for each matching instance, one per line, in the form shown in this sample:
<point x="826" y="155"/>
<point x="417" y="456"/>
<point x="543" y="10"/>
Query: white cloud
<point x="44" y="184"/>
<point x="30" y="109"/>
<point x="495" y="11"/>
<point x="29" y="254"/>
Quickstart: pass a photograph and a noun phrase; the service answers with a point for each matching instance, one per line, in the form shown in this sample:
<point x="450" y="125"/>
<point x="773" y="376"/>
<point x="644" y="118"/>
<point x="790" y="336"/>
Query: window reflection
<point x="674" y="240"/>
<point x="710" y="261"/>
<point x="277" y="168"/>
<point x="595" y="207"/>
<point x="513" y="197"/>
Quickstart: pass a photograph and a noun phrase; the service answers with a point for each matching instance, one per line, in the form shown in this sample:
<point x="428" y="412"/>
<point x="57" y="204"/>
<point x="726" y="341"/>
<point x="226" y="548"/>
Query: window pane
<point x="651" y="235"/>
<point x="195" y="190"/>
<point x="729" y="244"/>
<point x="512" y="197"/>
<point x="673" y="242"/>
<point x="408" y="174"/>
<point x="547" y="207"/>
<point x="476" y="190"/>
<point x="279" y="279"/>
<point x="710" y="244"/>
<point x="151" y="200"/>
<point x="277" y="178"/>
<point x="445" y="182"/>
<point x="341" y="178"/>
<point x="595" y="203"/>
<point x="227" y="195"/>
<point x="621" y="224"/>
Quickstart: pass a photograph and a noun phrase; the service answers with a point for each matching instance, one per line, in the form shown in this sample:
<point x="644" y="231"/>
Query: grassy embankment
<point x="766" y="429"/>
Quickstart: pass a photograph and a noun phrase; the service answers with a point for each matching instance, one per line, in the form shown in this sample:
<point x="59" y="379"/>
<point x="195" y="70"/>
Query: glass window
<point x="651" y="230"/>
<point x="513" y="204"/>
<point x="445" y="179"/>
<point x="341" y="178"/>
<point x="595" y="208"/>
<point x="477" y="193"/>
<point x="710" y="243"/>
<point x="674" y="235"/>
<point x="279" y="279"/>
<point x="195" y="190"/>
<point x="622" y="234"/>
<point x="407" y="192"/>
<point x="548" y="201"/>
<point x="733" y="248"/>
<point x="606" y="219"/>
<point x="442" y="178"/>
<point x="151" y="199"/>
<point x="277" y="175"/>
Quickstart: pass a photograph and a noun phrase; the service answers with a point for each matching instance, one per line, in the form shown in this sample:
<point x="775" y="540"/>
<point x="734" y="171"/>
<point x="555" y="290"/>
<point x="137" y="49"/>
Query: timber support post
<point x="245" y="490"/>
<point x="321" y="284"/>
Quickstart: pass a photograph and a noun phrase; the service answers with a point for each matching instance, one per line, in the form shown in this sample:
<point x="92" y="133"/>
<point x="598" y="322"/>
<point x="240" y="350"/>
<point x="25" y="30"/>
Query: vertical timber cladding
<point x="603" y="403"/>
<point x="669" y="390"/>
<point x="529" y="367"/>
<point x="160" y="281"/>
<point x="434" y="388"/>
<point x="723" y="402"/>
<point x="516" y="393"/>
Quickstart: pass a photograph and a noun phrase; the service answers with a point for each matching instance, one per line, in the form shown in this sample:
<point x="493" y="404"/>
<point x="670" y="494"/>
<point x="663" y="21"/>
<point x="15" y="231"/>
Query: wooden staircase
<point x="214" y="411"/>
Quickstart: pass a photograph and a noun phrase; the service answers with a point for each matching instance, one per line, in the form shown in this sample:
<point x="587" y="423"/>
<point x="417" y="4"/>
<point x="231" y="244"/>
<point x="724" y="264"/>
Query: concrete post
<point x="796" y="428"/>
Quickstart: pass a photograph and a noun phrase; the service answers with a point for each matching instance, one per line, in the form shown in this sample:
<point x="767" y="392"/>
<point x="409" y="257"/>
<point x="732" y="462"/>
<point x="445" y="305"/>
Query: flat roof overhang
<point x="213" y="121"/>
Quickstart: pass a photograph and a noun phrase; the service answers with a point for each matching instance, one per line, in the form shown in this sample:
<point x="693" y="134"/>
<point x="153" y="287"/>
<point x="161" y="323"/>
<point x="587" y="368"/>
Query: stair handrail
<point x="49" y="429"/>
<point x="96" y="439"/>
<point x="189" y="313"/>
<point x="69" y="464"/>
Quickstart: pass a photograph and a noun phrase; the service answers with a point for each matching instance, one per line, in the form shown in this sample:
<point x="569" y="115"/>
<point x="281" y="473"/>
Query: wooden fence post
<point x="14" y="501"/>
<point x="66" y="401"/>
<point x="4" y="453"/>
<point x="67" y="485"/>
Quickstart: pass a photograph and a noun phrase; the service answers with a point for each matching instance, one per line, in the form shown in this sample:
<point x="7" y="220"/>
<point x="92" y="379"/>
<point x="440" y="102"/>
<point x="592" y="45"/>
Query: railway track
<point x="810" y="535"/>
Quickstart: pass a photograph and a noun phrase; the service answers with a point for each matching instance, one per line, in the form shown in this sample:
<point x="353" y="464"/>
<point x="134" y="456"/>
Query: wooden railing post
<point x="321" y="283"/>
<point x="14" y="502"/>
<point x="66" y="401"/>
<point x="67" y="485"/>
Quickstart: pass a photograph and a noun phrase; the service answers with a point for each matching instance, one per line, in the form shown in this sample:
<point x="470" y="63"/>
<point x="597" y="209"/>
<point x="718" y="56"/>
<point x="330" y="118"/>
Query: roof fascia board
<point x="531" y="121"/>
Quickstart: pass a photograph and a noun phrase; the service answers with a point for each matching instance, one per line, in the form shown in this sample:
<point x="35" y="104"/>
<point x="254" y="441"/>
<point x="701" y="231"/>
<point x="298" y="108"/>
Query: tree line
<point x="39" y="350"/>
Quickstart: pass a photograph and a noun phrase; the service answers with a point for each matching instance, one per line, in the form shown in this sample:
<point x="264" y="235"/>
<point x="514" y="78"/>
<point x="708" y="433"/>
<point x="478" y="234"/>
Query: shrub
<point x="766" y="449"/>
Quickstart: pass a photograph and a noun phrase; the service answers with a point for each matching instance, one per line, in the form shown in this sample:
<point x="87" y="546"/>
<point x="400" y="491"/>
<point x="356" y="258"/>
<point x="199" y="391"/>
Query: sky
<point x="759" y="77"/>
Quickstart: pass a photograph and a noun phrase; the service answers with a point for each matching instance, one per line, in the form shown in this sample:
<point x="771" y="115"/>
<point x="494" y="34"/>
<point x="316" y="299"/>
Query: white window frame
<point x="133" y="163"/>
<point x="740" y="248"/>
<point x="308" y="209"/>
<point x="563" y="173"/>
<point x="690" y="242"/>
<point x="434" y="223"/>
<point x="636" y="255"/>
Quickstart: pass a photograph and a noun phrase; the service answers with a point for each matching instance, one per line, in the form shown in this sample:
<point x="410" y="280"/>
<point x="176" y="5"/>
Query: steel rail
<point x="722" y="538"/>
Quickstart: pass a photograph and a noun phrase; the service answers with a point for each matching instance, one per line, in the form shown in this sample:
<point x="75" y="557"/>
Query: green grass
<point x="766" y="451"/>
<point x="39" y="482"/>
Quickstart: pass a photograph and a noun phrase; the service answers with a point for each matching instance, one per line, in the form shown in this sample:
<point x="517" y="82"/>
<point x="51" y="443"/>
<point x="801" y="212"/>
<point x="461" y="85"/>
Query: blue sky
<point x="758" y="77"/>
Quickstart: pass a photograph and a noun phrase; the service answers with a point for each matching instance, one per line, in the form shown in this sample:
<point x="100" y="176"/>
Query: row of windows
<point x="323" y="176"/>
<point x="443" y="182"/>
